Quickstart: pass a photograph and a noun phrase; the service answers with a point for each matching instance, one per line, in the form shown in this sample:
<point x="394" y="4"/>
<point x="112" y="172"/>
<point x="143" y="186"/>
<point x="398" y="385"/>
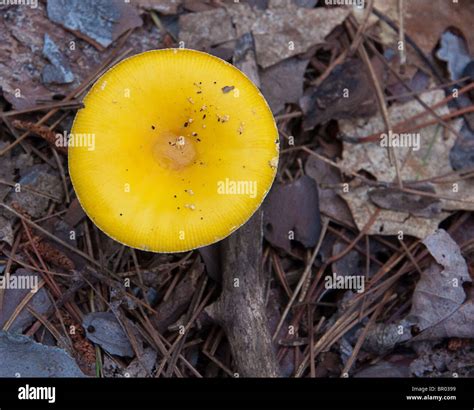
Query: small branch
<point x="240" y="309"/>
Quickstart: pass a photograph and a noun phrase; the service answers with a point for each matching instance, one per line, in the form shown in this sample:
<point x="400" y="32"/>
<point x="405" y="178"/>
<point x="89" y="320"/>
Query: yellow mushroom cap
<point x="173" y="150"/>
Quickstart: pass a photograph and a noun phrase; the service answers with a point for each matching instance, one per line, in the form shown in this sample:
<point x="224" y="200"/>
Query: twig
<point x="241" y="307"/>
<point x="303" y="278"/>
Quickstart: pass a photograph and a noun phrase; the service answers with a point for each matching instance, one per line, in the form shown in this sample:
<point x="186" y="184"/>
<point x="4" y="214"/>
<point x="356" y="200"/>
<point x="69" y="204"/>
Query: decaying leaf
<point x="281" y="31"/>
<point x="244" y="58"/>
<point x="440" y="307"/>
<point x="439" y="292"/>
<point x="206" y="28"/>
<point x="388" y="222"/>
<point x="439" y="361"/>
<point x="6" y="230"/>
<point x="345" y="93"/>
<point x="284" y="29"/>
<point x="437" y="15"/>
<point x="58" y="71"/>
<point x="384" y="369"/>
<point x="13" y="298"/>
<point x="291" y="212"/>
<point x="103" y="329"/>
<point x="414" y="204"/>
<point x="422" y="154"/>
<point x="162" y="6"/>
<point x="99" y="23"/>
<point x="43" y="185"/>
<point x="462" y="154"/>
<point x="383" y="337"/>
<point x="453" y="50"/>
<point x="330" y="203"/>
<point x="283" y="83"/>
<point x="459" y="324"/>
<point x="21" y="52"/>
<point x="23" y="357"/>
<point x="143" y="366"/>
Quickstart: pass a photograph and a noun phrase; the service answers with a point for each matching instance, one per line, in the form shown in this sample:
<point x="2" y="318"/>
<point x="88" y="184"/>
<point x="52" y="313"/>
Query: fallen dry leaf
<point x="206" y="28"/>
<point x="283" y="83"/>
<point x="330" y="203"/>
<point x="281" y="31"/>
<point x="440" y="307"/>
<point x="44" y="185"/>
<point x="103" y="329"/>
<point x="291" y="212"/>
<point x="346" y="93"/>
<point x="388" y="222"/>
<point x="22" y="61"/>
<point x="453" y="50"/>
<point x="12" y="298"/>
<point x="58" y="71"/>
<point x="244" y="58"/>
<point x="23" y="357"/>
<point x="384" y="369"/>
<point x="439" y="292"/>
<point x="99" y="23"/>
<point x="437" y="16"/>
<point x="414" y="204"/>
<point x="429" y="159"/>
<point x="163" y="6"/>
<point x="462" y="154"/>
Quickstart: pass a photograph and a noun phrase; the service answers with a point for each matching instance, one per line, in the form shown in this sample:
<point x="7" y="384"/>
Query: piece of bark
<point x="240" y="309"/>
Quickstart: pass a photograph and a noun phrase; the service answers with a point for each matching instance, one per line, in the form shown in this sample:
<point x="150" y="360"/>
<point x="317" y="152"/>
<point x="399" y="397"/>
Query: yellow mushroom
<point x="172" y="166"/>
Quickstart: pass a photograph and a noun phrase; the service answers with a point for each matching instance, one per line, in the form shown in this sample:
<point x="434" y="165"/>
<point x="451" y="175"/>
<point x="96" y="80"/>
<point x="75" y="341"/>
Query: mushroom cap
<point x="173" y="150"/>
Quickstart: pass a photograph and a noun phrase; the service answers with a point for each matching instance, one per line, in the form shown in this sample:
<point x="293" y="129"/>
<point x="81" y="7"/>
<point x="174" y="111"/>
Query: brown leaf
<point x="427" y="159"/>
<point x="23" y="29"/>
<point x="207" y="28"/>
<point x="162" y="6"/>
<point x="439" y="302"/>
<point x="292" y="211"/>
<point x="285" y="30"/>
<point x="43" y="185"/>
<point x="437" y="16"/>
<point x="414" y="204"/>
<point x="283" y="83"/>
<point x="330" y="203"/>
<point x="244" y="58"/>
<point x="329" y="100"/>
<point x="281" y="31"/>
